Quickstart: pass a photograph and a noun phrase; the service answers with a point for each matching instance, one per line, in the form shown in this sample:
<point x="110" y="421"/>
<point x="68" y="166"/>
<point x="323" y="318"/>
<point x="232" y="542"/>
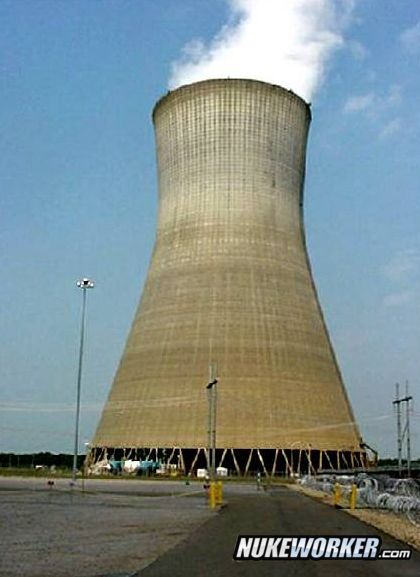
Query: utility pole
<point x="397" y="405"/>
<point x="405" y="432"/>
<point x="407" y="428"/>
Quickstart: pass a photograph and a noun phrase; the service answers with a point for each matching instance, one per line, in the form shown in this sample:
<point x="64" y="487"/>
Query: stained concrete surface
<point x="112" y="527"/>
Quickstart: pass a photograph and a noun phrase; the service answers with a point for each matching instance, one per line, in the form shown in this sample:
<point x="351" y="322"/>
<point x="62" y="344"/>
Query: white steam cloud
<point x="285" y="42"/>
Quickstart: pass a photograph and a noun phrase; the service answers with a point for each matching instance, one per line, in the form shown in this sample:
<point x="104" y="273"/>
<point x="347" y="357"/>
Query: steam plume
<point x="285" y="42"/>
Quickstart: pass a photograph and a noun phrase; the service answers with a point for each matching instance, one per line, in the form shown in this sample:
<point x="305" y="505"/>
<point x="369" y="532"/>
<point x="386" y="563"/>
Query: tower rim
<point x="240" y="81"/>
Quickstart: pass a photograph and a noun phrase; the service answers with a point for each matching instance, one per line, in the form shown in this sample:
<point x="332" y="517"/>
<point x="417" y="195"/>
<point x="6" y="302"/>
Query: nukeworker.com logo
<point x="258" y="547"/>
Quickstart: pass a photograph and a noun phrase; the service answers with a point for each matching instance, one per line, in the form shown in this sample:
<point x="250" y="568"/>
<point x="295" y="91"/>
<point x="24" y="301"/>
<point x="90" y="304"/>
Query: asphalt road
<point x="209" y="551"/>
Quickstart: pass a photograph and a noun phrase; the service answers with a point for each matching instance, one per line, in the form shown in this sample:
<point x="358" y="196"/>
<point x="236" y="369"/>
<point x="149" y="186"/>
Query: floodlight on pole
<point x="84" y="284"/>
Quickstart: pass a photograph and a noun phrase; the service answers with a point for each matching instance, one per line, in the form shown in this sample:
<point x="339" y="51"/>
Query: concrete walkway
<point x="208" y="552"/>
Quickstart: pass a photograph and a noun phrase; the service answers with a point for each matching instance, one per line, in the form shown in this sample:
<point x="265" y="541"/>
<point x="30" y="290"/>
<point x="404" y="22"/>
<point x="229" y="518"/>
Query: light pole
<point x="212" y="397"/>
<point x="84" y="284"/>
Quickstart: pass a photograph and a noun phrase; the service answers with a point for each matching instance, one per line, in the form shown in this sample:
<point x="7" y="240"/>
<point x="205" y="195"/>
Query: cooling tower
<point x="230" y="283"/>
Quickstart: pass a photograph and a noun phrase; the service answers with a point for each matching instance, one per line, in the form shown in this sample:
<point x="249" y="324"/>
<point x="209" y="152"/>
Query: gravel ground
<point x="397" y="526"/>
<point x="110" y="528"/>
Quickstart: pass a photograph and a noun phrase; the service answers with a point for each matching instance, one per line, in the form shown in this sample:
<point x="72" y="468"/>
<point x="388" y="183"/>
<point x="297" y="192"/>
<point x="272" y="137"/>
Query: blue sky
<point x="78" y="198"/>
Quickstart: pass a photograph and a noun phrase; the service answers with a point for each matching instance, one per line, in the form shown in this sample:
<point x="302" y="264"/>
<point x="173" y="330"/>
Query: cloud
<point x="359" y="103"/>
<point x="403" y="269"/>
<point x="399" y="299"/>
<point x="358" y="51"/>
<point x="379" y="109"/>
<point x="403" y="266"/>
<point x="374" y="103"/>
<point x="394" y="96"/>
<point x="391" y="128"/>
<point x="287" y="42"/>
<point x="410" y="39"/>
<point x="29" y="407"/>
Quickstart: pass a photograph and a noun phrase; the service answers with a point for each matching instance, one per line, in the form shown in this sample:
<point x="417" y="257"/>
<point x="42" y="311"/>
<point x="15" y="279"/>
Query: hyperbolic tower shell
<point x="230" y="282"/>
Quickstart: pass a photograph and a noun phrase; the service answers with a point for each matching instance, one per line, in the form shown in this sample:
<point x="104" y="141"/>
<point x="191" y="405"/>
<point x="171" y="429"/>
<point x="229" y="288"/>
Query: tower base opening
<point x="291" y="462"/>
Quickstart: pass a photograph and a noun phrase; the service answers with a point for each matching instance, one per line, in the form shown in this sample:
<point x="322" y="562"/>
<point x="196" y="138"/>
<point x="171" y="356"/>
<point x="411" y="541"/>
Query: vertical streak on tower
<point x="230" y="281"/>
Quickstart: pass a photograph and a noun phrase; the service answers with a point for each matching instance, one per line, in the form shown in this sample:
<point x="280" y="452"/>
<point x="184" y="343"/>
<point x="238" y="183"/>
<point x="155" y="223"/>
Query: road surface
<point x="209" y="551"/>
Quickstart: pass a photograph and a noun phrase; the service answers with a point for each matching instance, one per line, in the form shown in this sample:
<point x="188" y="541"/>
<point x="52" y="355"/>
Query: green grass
<point x="66" y="473"/>
<point x="30" y="472"/>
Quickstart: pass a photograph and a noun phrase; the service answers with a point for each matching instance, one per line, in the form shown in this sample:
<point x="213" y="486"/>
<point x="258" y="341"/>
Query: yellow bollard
<point x="219" y="493"/>
<point x="212" y="495"/>
<point x="337" y="494"/>
<point x="353" y="496"/>
<point x="215" y="494"/>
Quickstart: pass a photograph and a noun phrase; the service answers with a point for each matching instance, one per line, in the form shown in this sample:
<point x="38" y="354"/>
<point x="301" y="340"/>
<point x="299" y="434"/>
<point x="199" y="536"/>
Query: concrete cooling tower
<point x="230" y="284"/>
